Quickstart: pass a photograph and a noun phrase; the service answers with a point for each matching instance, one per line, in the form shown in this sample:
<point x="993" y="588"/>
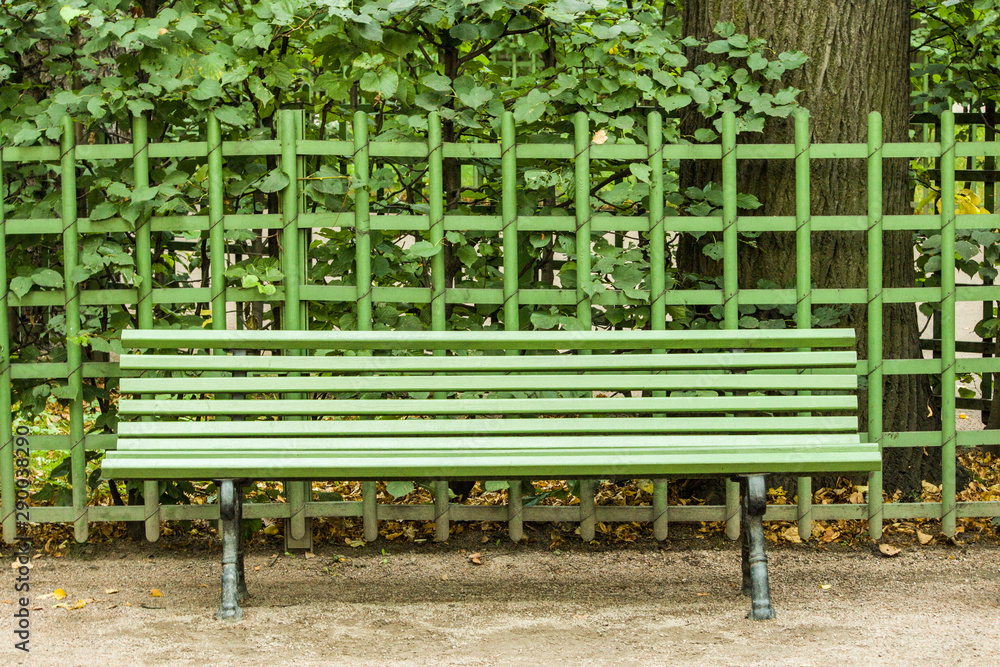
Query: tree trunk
<point x="858" y="62"/>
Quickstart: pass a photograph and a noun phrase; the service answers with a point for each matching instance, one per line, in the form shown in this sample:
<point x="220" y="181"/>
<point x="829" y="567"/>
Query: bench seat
<point x="381" y="406"/>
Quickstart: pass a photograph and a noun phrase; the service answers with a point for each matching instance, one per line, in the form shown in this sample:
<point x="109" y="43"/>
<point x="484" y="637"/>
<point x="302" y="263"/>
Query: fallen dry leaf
<point x="825" y="587"/>
<point x="271" y="530"/>
<point x="309" y="555"/>
<point x="79" y="604"/>
<point x="354" y="544"/>
<point x="889" y="550"/>
<point x="476" y="559"/>
<point x="600" y="137"/>
<point x="256" y="568"/>
<point x="59" y="594"/>
<point x="829" y="535"/>
<point x="924" y="538"/>
<point x="792" y="534"/>
<point x="962" y="415"/>
<point x="110" y="591"/>
<point x="155" y="593"/>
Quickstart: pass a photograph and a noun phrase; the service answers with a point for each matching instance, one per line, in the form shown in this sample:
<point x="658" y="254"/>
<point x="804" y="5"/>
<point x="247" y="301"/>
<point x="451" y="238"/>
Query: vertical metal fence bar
<point x="948" y="482"/>
<point x="7" y="490"/>
<point x="216" y="225"/>
<point x="144" y="306"/>
<point x="143" y="243"/>
<point x="74" y="353"/>
<point x="989" y="199"/>
<point x="511" y="303"/>
<point x="295" y="492"/>
<point x="875" y="383"/>
<point x="436" y="194"/>
<point x="216" y="234"/>
<point x="803" y="281"/>
<point x="363" y="270"/>
<point x="362" y="223"/>
<point x="582" y="141"/>
<point x="657" y="284"/>
<point x="730" y="289"/>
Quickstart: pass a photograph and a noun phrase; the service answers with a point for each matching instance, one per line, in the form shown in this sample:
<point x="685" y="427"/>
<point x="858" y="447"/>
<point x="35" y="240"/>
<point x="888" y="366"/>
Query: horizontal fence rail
<point x="297" y="296"/>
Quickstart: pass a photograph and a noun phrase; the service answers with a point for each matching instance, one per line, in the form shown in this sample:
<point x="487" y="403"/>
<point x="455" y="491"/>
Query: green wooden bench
<point x="489" y="405"/>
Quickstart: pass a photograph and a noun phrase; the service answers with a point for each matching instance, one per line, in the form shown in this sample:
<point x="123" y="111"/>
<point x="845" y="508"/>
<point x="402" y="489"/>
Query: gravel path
<point x="644" y="603"/>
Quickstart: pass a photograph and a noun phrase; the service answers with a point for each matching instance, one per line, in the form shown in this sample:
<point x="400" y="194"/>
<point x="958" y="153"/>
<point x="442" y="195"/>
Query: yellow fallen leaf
<point x="309" y="555"/>
<point x="825" y="587"/>
<point x="110" y="591"/>
<point x="59" y="594"/>
<point x="354" y="544"/>
<point x="600" y="137"/>
<point x="256" y="568"/>
<point x="924" y="538"/>
<point x="155" y="593"/>
<point x="889" y="550"/>
<point x="80" y="604"/>
<point x="792" y="534"/>
<point x="962" y="415"/>
<point x="271" y="530"/>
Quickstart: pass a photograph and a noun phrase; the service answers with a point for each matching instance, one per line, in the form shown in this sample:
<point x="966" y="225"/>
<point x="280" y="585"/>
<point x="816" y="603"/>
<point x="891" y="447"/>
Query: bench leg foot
<point x="755" y="502"/>
<point x="232" y="519"/>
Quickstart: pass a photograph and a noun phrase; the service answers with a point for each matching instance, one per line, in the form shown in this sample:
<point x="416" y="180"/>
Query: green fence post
<point x="803" y="282"/>
<point x="657" y="285"/>
<point x="511" y="303"/>
<point x="7" y="490"/>
<point x="582" y="141"/>
<point x="875" y="383"/>
<point x="435" y="186"/>
<point x="299" y="535"/>
<point x="730" y="286"/>
<point x="948" y="482"/>
<point x="74" y="353"/>
<point x="144" y="301"/>
<point x="363" y="296"/>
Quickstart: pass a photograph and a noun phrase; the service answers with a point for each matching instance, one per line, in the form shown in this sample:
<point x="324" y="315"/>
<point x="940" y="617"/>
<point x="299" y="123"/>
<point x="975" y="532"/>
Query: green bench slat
<point x="403" y="427"/>
<point x="824" y="459"/>
<point x="478" y="406"/>
<point x="383" y="446"/>
<point x="487" y="340"/>
<point x="588" y="382"/>
<point x="458" y="364"/>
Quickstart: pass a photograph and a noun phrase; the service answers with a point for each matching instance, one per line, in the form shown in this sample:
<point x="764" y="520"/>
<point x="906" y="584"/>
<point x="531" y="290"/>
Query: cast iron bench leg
<point x="241" y="585"/>
<point x="754" y="504"/>
<point x="232" y="518"/>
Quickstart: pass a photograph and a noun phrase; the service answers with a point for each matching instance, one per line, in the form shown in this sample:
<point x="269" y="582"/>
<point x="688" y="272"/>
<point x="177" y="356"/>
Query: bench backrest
<point x="778" y="381"/>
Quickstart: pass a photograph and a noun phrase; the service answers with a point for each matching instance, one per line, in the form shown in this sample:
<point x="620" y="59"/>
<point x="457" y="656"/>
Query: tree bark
<point x="858" y="62"/>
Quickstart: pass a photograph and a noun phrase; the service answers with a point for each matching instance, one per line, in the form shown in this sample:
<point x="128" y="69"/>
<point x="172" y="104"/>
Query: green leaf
<point x="103" y="211"/>
<point x="474" y="97"/>
<point x="714" y="251"/>
<point x="467" y="255"/>
<point x="437" y="82"/>
<point x="398" y="489"/>
<point x="78" y="274"/>
<point x="756" y="62"/>
<point x="47" y="278"/>
<point x="640" y="171"/>
<point x="423" y="249"/>
<point x="384" y="82"/>
<point x="21" y="285"/>
<point x="530" y="108"/>
<point x="275" y="180"/>
<point x="65" y="392"/>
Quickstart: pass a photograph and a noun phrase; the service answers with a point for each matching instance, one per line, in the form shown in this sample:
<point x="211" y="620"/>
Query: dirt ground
<point x="644" y="603"/>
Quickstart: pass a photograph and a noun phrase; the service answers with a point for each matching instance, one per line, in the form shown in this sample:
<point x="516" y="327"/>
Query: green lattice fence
<point x="297" y="298"/>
